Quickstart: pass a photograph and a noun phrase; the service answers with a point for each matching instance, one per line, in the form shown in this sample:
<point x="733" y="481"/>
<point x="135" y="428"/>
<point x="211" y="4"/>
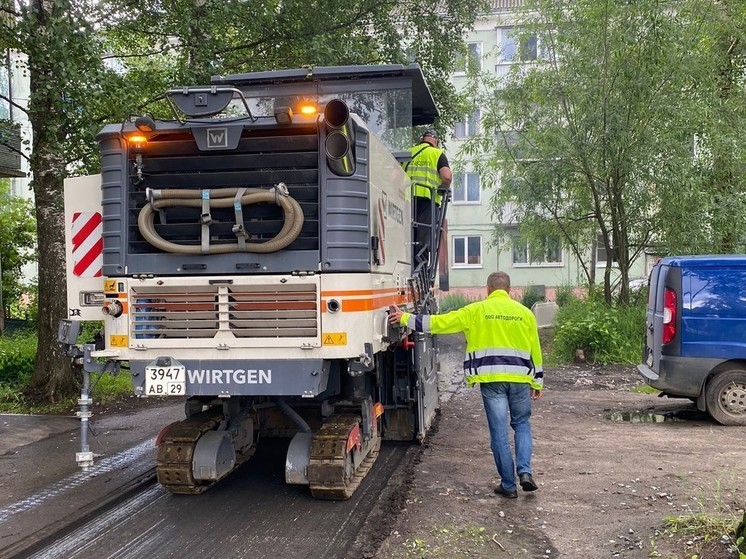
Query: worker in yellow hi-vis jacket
<point x="503" y="356"/>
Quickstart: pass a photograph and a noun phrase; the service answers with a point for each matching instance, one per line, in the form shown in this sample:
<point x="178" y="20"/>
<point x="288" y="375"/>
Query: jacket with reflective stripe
<point x="423" y="171"/>
<point x="502" y="342"/>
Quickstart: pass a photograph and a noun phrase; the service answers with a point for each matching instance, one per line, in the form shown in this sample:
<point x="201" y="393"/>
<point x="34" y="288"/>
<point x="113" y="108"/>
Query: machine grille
<point x="239" y="311"/>
<point x="263" y="158"/>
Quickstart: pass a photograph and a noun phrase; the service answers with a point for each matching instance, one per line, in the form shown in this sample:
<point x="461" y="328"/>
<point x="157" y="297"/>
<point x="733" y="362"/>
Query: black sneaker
<point x="527" y="482"/>
<point x="500" y="490"/>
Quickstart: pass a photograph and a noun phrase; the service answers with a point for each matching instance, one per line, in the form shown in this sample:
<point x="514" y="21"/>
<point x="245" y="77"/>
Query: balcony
<point x="501" y="5"/>
<point x="10" y="150"/>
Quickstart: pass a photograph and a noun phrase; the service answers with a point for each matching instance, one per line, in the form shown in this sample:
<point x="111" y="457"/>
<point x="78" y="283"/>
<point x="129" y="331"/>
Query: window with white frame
<point x="472" y="62"/>
<point x="515" y="48"/>
<point x="547" y="253"/>
<point x="5" y="112"/>
<point x="469" y="126"/>
<point x="467" y="251"/>
<point x="465" y="188"/>
<point x="519" y="250"/>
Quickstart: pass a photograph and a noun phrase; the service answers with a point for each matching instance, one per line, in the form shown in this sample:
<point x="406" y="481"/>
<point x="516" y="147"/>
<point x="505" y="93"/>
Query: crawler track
<point x="331" y="471"/>
<point x="176" y="451"/>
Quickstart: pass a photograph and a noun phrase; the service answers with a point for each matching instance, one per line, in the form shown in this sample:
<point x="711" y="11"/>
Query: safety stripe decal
<point x="87" y="244"/>
<point x="360" y="292"/>
<point x="361" y="300"/>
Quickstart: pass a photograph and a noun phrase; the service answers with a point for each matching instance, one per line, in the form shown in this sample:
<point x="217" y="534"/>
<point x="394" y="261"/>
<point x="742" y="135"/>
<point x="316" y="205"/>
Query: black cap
<point x="429" y="132"/>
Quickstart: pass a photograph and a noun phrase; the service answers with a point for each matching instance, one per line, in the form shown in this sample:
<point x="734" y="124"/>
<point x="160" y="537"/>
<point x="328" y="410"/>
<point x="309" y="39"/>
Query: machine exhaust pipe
<point x="340" y="138"/>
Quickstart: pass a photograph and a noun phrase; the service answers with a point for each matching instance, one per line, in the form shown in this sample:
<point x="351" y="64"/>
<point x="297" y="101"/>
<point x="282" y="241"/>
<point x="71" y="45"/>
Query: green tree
<point x="594" y="139"/>
<point x="191" y="40"/>
<point x="17" y="242"/>
<point x="709" y="216"/>
<point x="63" y="65"/>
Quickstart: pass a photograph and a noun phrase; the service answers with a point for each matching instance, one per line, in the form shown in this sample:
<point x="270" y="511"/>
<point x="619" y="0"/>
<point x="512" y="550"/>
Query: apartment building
<point x="15" y="132"/>
<point x="14" y="126"/>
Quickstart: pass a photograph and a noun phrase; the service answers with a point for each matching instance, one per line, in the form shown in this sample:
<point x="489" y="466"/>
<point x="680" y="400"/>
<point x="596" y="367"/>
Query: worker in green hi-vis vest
<point x="429" y="172"/>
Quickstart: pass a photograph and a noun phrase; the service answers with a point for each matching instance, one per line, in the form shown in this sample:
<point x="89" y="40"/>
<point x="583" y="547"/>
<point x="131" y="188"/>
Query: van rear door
<point x="663" y="315"/>
<point x="654" y="318"/>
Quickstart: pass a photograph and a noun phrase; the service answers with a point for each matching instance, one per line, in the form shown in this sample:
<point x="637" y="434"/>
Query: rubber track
<point x="176" y="451"/>
<point x="327" y="470"/>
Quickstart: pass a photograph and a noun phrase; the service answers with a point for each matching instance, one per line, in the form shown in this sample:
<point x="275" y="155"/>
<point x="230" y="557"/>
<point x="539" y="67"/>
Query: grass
<point x="441" y="543"/>
<point x="453" y="301"/>
<point x="644" y="389"/>
<point x="699" y="529"/>
<point x="105" y="388"/>
<point x="702" y="529"/>
<point x="17" y="355"/>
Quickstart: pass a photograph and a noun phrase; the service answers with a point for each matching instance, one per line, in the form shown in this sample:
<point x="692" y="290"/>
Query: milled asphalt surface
<point x="42" y="489"/>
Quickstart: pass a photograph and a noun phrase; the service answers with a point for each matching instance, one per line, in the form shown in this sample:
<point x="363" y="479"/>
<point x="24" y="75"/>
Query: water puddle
<point x="644" y="417"/>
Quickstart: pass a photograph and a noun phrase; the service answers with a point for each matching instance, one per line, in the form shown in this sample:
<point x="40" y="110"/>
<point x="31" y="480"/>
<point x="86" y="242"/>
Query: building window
<point x="520" y="251"/>
<point x="468" y="127"/>
<point x="467" y="251"/>
<point x="5" y="112"/>
<point x="548" y="253"/>
<point x="602" y="256"/>
<point x="514" y="48"/>
<point x="529" y="49"/>
<point x="465" y="188"/>
<point x="472" y="62"/>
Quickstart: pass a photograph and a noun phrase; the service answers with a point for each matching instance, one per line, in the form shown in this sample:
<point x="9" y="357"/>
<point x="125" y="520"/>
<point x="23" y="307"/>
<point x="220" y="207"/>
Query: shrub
<point x="530" y="296"/>
<point x="607" y="334"/>
<point x="565" y="295"/>
<point x="454" y="301"/>
<point x="17" y="354"/>
<point x="638" y="296"/>
<point x="90" y="331"/>
<point x="26" y="305"/>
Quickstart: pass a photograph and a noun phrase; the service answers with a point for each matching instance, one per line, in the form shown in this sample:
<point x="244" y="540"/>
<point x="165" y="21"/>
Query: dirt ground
<point x="612" y="464"/>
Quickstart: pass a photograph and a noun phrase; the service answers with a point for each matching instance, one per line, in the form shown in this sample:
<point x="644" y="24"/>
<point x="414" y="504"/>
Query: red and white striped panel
<point x="88" y="244"/>
<point x="382" y="230"/>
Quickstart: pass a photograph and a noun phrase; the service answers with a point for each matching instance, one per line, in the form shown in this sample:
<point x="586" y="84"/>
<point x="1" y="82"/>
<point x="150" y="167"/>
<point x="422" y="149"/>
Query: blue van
<point x="695" y="343"/>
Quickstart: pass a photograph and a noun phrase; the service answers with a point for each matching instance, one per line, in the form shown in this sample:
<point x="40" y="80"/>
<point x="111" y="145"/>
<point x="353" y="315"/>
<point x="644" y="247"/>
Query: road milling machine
<point x="243" y="256"/>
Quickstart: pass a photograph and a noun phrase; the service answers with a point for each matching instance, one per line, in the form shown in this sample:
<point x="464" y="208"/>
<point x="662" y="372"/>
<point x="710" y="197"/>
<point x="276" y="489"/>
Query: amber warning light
<point x="308" y="109"/>
<point x="137" y="140"/>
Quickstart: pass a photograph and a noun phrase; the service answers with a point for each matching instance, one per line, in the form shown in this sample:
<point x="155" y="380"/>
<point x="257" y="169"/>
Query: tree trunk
<point x="594" y="261"/>
<point x="53" y="378"/>
<point x="622" y="253"/>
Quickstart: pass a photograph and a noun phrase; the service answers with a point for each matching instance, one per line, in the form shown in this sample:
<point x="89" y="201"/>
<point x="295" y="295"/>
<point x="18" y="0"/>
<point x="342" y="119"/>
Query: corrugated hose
<point x="222" y="198"/>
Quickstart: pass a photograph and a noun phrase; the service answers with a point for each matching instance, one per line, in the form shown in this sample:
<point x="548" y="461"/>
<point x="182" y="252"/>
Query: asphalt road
<point x="252" y="513"/>
<point x="117" y="510"/>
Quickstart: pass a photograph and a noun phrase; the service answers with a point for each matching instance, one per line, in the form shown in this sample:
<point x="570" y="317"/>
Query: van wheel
<point x="726" y="397"/>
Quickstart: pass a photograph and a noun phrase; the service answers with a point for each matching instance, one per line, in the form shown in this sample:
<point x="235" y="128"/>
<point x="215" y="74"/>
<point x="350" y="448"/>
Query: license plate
<point x="165" y="381"/>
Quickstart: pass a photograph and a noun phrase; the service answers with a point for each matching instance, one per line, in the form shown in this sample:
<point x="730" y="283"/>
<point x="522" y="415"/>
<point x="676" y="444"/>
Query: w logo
<point x="217" y="138"/>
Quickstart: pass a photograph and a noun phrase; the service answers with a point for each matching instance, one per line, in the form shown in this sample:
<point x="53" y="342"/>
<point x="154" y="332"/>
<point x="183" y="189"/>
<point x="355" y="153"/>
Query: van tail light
<point x="669" y="315"/>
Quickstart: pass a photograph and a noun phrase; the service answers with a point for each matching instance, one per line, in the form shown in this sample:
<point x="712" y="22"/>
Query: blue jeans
<point x="509" y="403"/>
